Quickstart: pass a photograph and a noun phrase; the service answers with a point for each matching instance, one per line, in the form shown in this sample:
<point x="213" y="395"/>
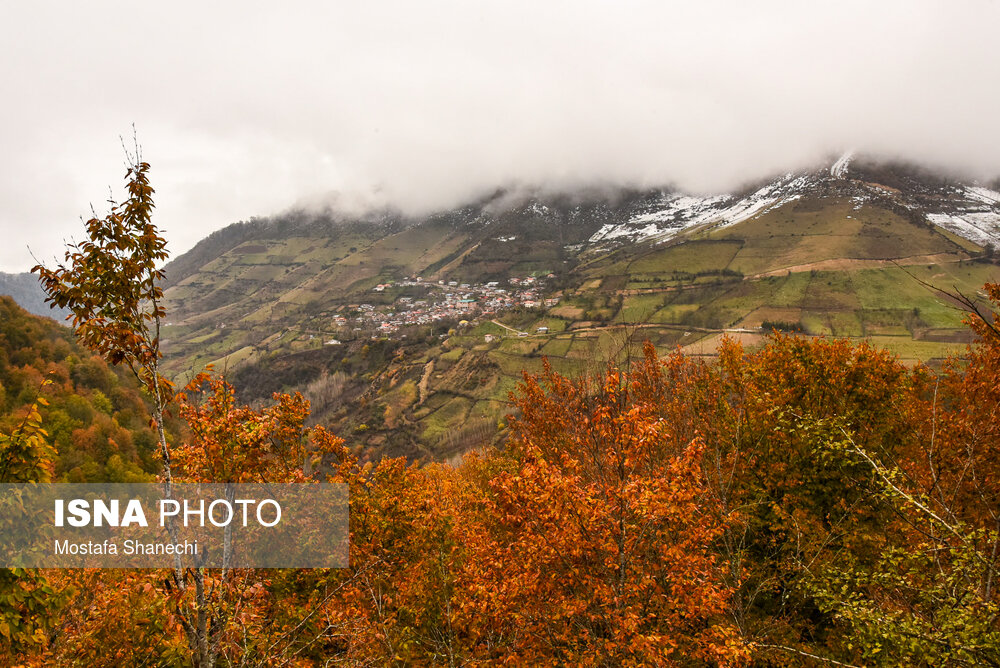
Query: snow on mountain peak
<point x="674" y="212"/>
<point x="970" y="211"/>
<point x="838" y="169"/>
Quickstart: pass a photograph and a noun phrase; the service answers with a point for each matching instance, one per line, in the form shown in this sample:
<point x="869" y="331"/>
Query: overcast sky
<point x="249" y="108"/>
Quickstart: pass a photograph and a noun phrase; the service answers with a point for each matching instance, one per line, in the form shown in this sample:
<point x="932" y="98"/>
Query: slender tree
<point x="110" y="284"/>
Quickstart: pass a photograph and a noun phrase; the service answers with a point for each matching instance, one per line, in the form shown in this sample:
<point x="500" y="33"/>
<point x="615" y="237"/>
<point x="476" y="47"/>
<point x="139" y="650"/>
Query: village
<point x="442" y="300"/>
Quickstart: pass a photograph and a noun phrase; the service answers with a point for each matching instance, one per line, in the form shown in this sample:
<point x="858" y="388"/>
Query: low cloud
<point x="248" y="108"/>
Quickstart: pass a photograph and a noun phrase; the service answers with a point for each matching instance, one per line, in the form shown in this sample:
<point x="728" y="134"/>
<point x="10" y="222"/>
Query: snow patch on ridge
<point x="838" y="170"/>
<point x="970" y="211"/>
<point x="984" y="195"/>
<point x="981" y="228"/>
<point x="769" y="197"/>
<point x="977" y="219"/>
<point x="675" y="213"/>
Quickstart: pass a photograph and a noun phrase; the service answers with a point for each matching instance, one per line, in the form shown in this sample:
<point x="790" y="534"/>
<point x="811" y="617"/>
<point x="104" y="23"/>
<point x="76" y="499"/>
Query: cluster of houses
<point x="444" y="300"/>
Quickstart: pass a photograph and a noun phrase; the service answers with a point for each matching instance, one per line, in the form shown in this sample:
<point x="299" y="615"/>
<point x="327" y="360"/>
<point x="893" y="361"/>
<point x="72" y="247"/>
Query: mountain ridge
<point x="27" y="292"/>
<point x="871" y="178"/>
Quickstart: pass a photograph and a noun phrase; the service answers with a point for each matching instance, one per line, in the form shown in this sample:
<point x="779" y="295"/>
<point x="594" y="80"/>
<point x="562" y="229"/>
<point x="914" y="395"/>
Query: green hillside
<point x="323" y="307"/>
<point x="95" y="415"/>
<point x="257" y="289"/>
<point x="832" y="267"/>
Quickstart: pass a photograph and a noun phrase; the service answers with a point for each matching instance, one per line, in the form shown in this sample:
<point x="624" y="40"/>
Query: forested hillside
<point x="95" y="416"/>
<point x="808" y="501"/>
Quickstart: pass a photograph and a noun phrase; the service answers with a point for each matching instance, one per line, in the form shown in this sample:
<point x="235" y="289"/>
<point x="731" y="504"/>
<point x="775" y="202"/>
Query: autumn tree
<point x="927" y="595"/>
<point x="28" y="601"/>
<point x="596" y="546"/>
<point x="233" y="443"/>
<point x="230" y="442"/>
<point x="222" y="615"/>
<point x="110" y="284"/>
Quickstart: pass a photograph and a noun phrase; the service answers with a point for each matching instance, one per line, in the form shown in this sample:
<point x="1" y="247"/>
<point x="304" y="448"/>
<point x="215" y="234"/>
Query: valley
<point x="409" y="333"/>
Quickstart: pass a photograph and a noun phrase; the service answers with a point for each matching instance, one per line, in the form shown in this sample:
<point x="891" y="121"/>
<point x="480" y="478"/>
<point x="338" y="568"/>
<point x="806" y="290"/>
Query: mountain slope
<point x="95" y="417"/>
<point x="409" y="333"/>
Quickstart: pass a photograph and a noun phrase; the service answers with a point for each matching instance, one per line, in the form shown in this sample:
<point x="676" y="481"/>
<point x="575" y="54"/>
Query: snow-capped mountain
<point x="971" y="211"/>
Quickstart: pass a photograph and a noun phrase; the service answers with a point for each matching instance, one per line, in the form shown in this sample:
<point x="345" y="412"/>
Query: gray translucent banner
<point x="139" y="526"/>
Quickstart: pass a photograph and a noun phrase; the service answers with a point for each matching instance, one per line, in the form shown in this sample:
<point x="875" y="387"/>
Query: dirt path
<point x="839" y="264"/>
<point x="648" y="325"/>
<point x="509" y="329"/>
<point x="847" y="263"/>
<point x="424" y="380"/>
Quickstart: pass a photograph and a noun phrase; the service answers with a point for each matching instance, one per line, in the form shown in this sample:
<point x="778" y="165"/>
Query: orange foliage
<point x="233" y="443"/>
<point x="667" y="513"/>
<point x="596" y="544"/>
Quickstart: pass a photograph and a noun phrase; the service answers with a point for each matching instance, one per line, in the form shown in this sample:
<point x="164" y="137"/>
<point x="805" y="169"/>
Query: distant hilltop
<point x="25" y="289"/>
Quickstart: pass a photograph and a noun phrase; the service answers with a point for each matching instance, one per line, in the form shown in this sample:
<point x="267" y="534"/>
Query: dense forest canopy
<point x="96" y="417"/>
